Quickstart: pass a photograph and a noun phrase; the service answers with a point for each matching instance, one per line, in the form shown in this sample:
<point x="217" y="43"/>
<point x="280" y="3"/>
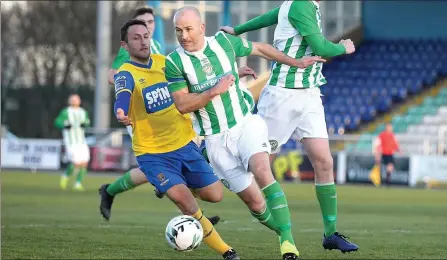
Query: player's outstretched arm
<point x="124" y="85"/>
<point x="268" y="52"/>
<point x="303" y="17"/>
<point x="259" y="22"/>
<point x="243" y="48"/>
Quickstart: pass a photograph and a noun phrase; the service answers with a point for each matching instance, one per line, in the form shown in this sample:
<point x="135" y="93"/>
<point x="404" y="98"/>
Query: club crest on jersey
<point x="207" y="68"/>
<point x="157" y="97"/>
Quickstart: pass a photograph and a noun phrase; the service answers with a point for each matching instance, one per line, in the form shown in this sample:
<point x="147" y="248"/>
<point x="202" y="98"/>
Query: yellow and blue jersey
<point x="158" y="127"/>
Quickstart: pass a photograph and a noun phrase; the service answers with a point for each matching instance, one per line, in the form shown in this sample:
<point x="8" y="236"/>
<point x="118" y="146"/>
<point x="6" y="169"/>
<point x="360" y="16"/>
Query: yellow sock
<point x="210" y="235"/>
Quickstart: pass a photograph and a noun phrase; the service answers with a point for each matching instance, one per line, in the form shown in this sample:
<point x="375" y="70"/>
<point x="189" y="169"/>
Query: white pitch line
<point x="241" y="229"/>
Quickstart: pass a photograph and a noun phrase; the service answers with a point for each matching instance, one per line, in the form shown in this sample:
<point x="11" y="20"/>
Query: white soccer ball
<point x="184" y="233"/>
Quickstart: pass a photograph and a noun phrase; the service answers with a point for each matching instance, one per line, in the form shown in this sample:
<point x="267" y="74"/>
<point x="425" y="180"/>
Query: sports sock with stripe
<point x="266" y="219"/>
<point x="210" y="235"/>
<point x="277" y="203"/>
<point x="327" y="197"/>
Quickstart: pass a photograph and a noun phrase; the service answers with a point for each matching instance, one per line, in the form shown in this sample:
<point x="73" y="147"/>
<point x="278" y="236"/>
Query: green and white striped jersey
<point x="202" y="70"/>
<point x="288" y="39"/>
<point x="74" y="117"/>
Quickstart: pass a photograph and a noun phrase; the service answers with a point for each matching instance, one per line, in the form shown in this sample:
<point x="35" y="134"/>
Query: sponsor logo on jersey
<point x="203" y="86"/>
<point x="157" y="97"/>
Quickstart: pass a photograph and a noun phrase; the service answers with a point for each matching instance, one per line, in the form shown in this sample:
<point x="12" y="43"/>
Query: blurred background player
<point x="164" y="147"/>
<point x="387" y="145"/>
<point x="72" y="120"/>
<point x="236" y="140"/>
<point x="291" y="101"/>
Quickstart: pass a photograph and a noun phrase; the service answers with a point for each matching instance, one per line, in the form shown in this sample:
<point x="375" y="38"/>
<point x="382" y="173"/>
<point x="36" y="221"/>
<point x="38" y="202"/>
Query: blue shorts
<point x="182" y="166"/>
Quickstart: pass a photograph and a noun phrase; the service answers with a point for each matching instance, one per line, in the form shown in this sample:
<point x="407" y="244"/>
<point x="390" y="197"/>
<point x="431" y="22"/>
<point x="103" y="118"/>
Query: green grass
<point x="41" y="221"/>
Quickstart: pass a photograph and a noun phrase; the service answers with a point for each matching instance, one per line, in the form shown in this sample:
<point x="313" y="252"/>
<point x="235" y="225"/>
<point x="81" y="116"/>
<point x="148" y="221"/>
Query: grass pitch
<point x="41" y="221"/>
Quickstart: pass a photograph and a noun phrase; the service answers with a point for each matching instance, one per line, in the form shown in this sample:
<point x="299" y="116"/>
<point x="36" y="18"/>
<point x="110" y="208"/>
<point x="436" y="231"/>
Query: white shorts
<point x="78" y="153"/>
<point x="292" y="111"/>
<point x="230" y="151"/>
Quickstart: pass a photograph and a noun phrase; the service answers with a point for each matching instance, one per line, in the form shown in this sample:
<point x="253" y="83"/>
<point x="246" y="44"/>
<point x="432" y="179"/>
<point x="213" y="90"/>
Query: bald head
<point x="189" y="28"/>
<point x="74" y="100"/>
<point x="188" y="12"/>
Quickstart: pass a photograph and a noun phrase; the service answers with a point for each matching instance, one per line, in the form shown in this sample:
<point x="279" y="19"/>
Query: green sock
<point x="277" y="203"/>
<point x="121" y="184"/>
<point x="266" y="219"/>
<point x="69" y="170"/>
<point x="327" y="197"/>
<point x="81" y="174"/>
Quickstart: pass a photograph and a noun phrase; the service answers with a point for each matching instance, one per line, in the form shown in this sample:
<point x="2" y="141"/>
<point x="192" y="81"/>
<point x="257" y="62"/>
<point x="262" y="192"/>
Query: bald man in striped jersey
<point x="236" y="140"/>
<point x="291" y="104"/>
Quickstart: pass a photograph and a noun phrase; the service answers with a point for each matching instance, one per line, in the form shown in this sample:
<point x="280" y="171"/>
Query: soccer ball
<point x="184" y="233"/>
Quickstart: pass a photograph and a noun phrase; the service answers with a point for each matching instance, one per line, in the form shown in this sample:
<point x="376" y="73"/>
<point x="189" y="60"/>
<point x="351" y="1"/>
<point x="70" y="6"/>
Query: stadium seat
<point x="421" y="120"/>
<point x="380" y="74"/>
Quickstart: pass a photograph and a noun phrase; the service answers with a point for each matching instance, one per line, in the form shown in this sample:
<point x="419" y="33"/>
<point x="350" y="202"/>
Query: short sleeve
<point x="124" y="82"/>
<point x="303" y="17"/>
<point x="120" y="58"/>
<point x="175" y="78"/>
<point x="241" y="47"/>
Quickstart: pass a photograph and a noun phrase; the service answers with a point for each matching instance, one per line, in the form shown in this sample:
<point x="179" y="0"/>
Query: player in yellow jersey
<point x="162" y="136"/>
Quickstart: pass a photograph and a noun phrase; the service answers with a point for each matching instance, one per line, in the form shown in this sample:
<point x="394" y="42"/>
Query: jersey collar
<point x="139" y="65"/>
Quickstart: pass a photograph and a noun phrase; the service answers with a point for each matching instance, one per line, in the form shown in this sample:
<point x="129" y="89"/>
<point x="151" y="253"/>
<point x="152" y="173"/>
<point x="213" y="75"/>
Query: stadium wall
<point x="404" y="19"/>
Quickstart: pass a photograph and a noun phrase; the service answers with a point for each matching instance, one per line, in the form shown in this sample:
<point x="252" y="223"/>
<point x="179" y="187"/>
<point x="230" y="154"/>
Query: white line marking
<point x="240" y="229"/>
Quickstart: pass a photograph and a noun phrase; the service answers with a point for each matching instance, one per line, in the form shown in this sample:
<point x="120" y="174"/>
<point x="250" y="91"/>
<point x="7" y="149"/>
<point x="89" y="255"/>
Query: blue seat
<point x="380" y="74"/>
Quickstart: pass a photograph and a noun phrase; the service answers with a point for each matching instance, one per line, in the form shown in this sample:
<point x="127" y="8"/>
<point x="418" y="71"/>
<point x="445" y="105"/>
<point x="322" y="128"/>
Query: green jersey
<point x="77" y="119"/>
<point x="123" y="55"/>
<point x="202" y="70"/>
<point x="298" y="33"/>
<point x="296" y="20"/>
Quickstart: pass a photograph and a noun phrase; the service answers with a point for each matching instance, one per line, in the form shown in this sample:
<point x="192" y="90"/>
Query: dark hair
<point x="143" y="10"/>
<point x="126" y="27"/>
